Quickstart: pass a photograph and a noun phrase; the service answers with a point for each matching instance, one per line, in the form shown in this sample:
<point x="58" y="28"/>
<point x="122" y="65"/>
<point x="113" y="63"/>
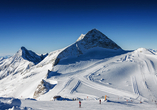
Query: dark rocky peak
<point x="23" y="48"/>
<point x="94" y="31"/>
<point x="95" y="38"/>
<point x="29" y="55"/>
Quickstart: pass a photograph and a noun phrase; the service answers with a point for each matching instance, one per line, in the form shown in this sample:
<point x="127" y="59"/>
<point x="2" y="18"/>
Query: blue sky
<point x="47" y="25"/>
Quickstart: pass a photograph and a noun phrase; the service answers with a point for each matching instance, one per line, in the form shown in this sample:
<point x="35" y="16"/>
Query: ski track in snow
<point x="76" y="86"/>
<point x="85" y="77"/>
<point x="134" y="85"/>
<point x="147" y="70"/>
<point x="67" y="84"/>
<point x="107" y="89"/>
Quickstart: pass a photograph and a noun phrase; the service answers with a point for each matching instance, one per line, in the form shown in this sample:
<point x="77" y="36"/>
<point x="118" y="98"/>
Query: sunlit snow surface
<point x="121" y="75"/>
<point x="88" y="104"/>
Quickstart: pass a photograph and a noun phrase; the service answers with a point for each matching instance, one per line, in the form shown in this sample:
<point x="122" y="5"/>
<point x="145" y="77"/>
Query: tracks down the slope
<point x="107" y="89"/>
<point x="134" y="85"/>
<point x="146" y="69"/>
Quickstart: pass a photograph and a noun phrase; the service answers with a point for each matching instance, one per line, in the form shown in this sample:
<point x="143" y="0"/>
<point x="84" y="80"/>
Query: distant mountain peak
<point x="23" y="48"/>
<point x="94" y="30"/>
<point x="95" y="38"/>
<point x="29" y="55"/>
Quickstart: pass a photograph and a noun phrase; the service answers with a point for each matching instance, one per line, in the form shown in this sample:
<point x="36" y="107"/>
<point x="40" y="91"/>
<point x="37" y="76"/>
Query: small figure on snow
<point x="100" y="101"/>
<point x="79" y="104"/>
<point x="105" y="98"/>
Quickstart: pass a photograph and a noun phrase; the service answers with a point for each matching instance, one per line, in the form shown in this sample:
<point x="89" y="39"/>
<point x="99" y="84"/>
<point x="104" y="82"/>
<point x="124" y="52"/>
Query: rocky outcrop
<point x="42" y="88"/>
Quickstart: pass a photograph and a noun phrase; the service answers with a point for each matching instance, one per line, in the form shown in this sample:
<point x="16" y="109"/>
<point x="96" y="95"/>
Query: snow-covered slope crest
<point x="18" y="63"/>
<point x="93" y="39"/>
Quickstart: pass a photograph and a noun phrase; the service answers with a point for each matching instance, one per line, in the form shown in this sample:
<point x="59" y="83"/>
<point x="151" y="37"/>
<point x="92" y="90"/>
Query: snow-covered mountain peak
<point x="20" y="62"/>
<point x="95" y="38"/>
<point x="95" y="31"/>
<point x="145" y="51"/>
<point x="28" y="55"/>
<point x="23" y="49"/>
<point x="141" y="49"/>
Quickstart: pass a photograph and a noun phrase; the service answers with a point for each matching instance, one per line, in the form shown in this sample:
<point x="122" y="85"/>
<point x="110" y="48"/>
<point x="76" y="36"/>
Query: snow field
<point x="88" y="104"/>
<point x="120" y="75"/>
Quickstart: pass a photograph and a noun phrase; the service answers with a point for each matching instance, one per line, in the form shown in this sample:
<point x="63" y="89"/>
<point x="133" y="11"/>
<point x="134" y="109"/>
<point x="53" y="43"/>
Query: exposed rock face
<point x="42" y="88"/>
<point x="31" y="56"/>
<point x="95" y="38"/>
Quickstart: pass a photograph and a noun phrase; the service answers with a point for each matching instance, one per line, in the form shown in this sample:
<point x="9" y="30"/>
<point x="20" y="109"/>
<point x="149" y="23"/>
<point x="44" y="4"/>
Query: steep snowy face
<point x="30" y="55"/>
<point x="21" y="61"/>
<point x="95" y="38"/>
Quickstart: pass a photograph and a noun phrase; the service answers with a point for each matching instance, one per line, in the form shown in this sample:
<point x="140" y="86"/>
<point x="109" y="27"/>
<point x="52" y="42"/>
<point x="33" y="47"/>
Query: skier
<point x="100" y="101"/>
<point x="105" y="97"/>
<point x="79" y="104"/>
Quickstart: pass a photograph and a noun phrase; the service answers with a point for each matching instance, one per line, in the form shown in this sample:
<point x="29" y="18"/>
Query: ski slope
<point x="117" y="73"/>
<point x="124" y="74"/>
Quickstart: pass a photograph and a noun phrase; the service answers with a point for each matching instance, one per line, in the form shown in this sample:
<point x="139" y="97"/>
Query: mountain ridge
<point x="31" y="56"/>
<point x="23" y="59"/>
